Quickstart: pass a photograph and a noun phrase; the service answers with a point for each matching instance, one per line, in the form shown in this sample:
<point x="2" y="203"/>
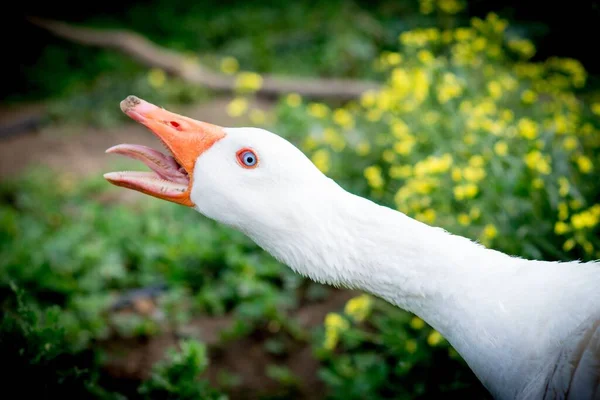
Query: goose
<point x="528" y="329"/>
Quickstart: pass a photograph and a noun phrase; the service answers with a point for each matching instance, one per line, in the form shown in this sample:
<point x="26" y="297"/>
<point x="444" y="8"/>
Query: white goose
<point x="528" y="329"/>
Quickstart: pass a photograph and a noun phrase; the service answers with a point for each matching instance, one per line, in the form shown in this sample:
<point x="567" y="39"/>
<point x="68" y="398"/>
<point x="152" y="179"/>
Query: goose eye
<point x="247" y="158"/>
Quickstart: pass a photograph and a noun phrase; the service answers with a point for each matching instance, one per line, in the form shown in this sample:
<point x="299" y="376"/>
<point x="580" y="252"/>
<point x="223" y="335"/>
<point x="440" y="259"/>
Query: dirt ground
<point x="80" y="151"/>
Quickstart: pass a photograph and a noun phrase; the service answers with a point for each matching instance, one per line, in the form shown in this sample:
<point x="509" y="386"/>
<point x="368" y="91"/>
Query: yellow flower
<point x="359" y="307"/>
<point x="237" y="107"/>
<point x="490" y="231"/>
<point x="229" y="65"/>
<point x="248" y="82"/>
<point x="450" y="6"/>
<point x="417" y="323"/>
<point x="257" y="116"/>
<point x="367" y="99"/>
<point x="495" y="89"/>
<point x="476" y="161"/>
<point x="336" y="321"/>
<point x="463" y="219"/>
<point x="523" y="47"/>
<point x="585" y="219"/>
<point x="404" y="147"/>
<point x="570" y="143"/>
<point x="596" y="108"/>
<point x="400" y="171"/>
<point x="560" y="228"/>
<point x="456" y="174"/>
<point x="293" y="100"/>
<point x="475" y="213"/>
<point x="318" y="110"/>
<point x="425" y="56"/>
<point x="528" y="128"/>
<point x="563" y="211"/>
<point x="427" y="216"/>
<point x="466" y="191"/>
<point x="393" y="58"/>
<point x="501" y="148"/>
<point x="156" y="77"/>
<point x="343" y="118"/>
<point x="322" y="160"/>
<point x="584" y="163"/>
<point x="434" y="338"/>
<point x="334" y="139"/>
<point x="537" y="183"/>
<point x="374" y="177"/>
<point x="569" y="244"/>
<point x="388" y="156"/>
<point x="537" y="162"/>
<point x="411" y="346"/>
<point x="528" y="97"/>
<point x="474" y="174"/>
<point x="363" y="148"/>
<point x="563" y="186"/>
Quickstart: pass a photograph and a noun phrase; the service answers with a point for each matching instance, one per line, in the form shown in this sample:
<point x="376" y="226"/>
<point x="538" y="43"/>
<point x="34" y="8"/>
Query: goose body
<point x="528" y="329"/>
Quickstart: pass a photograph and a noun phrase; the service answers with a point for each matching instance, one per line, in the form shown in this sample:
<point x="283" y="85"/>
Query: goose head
<point x="247" y="178"/>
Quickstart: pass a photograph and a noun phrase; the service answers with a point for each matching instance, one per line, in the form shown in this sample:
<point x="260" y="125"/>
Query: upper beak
<point x="184" y="137"/>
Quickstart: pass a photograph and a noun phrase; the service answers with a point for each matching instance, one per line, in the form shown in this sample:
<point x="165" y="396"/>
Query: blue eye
<point x="247" y="158"/>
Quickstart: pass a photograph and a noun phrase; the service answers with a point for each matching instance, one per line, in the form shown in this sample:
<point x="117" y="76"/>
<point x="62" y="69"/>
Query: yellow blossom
<point x="229" y="65"/>
<point x="434" y="338"/>
<point x="405" y="146"/>
<point x="563" y="211"/>
<point x="318" y="110"/>
<point x="334" y="325"/>
<point x="537" y="183"/>
<point x="501" y="148"/>
<point x="425" y="56"/>
<point x="156" y="77"/>
<point x="400" y="171"/>
<point x="417" y="323"/>
<point x="388" y="156"/>
<point x="358" y="307"/>
<point x="560" y="228"/>
<point x="248" y="82"/>
<point x="584" y="163"/>
<point x="476" y="161"/>
<point x="322" y="160"/>
<point x="257" y="116"/>
<point x="596" y="108"/>
<point x="569" y="244"/>
<point x="563" y="186"/>
<point x="523" y="47"/>
<point x="343" y="118"/>
<point x="463" y="219"/>
<point x="538" y="162"/>
<point x="475" y="213"/>
<point x="367" y="99"/>
<point x="494" y="89"/>
<point x="237" y="107"/>
<point x="363" y="148"/>
<point x="490" y="231"/>
<point x="456" y="174"/>
<point x="570" y="143"/>
<point x="528" y="97"/>
<point x="450" y="6"/>
<point x="528" y="128"/>
<point x="411" y="346"/>
<point x="427" y="216"/>
<point x="374" y="177"/>
<point x="293" y="100"/>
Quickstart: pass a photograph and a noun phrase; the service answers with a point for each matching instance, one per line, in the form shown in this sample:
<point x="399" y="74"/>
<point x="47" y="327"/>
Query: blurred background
<point x="482" y="117"/>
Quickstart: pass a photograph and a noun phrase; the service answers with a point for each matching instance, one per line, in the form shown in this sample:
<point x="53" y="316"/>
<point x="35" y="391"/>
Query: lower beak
<point x="172" y="175"/>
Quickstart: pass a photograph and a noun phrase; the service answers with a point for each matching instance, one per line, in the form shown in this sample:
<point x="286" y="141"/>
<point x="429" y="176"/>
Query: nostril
<point x="175" y="124"/>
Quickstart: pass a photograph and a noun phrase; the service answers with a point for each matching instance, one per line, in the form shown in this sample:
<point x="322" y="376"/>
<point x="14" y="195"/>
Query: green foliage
<point x="468" y="134"/>
<point x="375" y="350"/>
<point x="34" y="348"/>
<point x="177" y="376"/>
<point x="81" y="249"/>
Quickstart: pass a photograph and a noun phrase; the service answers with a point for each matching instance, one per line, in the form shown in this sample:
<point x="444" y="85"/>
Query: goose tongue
<point x="164" y="166"/>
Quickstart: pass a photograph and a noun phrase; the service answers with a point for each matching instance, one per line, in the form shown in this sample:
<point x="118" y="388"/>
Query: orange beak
<point x="172" y="177"/>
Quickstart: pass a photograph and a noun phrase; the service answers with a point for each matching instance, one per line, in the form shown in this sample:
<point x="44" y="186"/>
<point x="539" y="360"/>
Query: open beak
<point x="172" y="175"/>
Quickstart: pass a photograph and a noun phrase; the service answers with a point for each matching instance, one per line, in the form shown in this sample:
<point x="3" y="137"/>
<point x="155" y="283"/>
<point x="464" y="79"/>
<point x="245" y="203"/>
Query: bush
<point x="177" y="376"/>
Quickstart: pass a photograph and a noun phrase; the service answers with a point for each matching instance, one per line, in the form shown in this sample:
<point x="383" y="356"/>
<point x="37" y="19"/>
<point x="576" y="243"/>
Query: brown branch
<point x="174" y="63"/>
